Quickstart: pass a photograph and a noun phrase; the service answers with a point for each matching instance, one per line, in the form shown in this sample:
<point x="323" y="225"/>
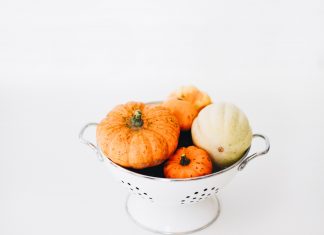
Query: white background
<point x="64" y="63"/>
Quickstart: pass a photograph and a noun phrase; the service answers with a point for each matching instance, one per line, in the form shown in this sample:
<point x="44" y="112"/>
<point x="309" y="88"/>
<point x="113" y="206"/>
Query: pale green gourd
<point x="222" y="130"/>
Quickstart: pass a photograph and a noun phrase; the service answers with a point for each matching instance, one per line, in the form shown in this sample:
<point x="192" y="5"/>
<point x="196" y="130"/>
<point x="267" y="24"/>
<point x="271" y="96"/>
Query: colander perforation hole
<point x="198" y="196"/>
<point x="136" y="190"/>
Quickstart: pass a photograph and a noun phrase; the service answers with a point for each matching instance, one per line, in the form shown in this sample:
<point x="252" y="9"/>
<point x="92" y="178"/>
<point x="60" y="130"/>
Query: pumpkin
<point x="193" y="95"/>
<point x="187" y="163"/>
<point x="136" y="135"/>
<point x="184" y="111"/>
<point x="223" y="131"/>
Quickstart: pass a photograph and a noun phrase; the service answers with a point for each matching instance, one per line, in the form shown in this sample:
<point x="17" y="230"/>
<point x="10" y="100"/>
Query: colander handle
<point x="87" y="142"/>
<point x="257" y="154"/>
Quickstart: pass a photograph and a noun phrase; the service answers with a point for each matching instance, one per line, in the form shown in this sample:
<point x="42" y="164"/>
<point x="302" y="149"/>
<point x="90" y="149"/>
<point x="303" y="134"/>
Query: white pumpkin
<point x="223" y="131"/>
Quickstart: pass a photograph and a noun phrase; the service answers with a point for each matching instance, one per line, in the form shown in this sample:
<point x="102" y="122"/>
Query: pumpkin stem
<point x="137" y="120"/>
<point x="184" y="161"/>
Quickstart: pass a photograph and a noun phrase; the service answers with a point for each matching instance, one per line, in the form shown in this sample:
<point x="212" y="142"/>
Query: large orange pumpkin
<point x="187" y="163"/>
<point x="136" y="135"/>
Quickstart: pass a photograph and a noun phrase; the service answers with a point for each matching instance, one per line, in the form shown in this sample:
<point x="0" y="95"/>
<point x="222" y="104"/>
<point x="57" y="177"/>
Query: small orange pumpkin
<point x="187" y="163"/>
<point x="193" y="95"/>
<point x="184" y="112"/>
<point x="137" y="135"/>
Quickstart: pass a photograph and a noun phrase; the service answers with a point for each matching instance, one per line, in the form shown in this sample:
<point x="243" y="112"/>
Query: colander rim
<point x="179" y="179"/>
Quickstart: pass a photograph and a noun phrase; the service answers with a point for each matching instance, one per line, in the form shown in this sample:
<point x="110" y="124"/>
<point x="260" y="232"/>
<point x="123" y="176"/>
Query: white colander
<point x="173" y="206"/>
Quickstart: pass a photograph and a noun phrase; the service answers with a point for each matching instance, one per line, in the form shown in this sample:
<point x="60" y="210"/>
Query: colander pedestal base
<point x="173" y="219"/>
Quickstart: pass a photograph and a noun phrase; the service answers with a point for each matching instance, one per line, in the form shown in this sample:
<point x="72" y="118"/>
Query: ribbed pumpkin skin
<point x="200" y="163"/>
<point x="138" y="147"/>
<point x="223" y="131"/>
<point x="193" y="95"/>
<point x="184" y="111"/>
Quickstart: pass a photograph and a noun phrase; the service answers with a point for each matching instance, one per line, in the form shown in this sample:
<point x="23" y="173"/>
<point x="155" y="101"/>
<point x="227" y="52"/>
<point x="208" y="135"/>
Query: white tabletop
<point x="65" y="63"/>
